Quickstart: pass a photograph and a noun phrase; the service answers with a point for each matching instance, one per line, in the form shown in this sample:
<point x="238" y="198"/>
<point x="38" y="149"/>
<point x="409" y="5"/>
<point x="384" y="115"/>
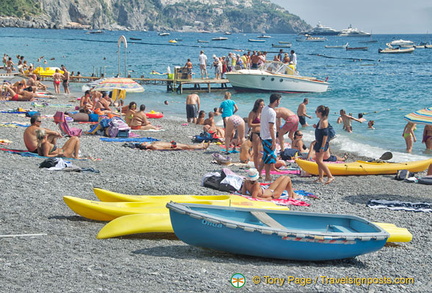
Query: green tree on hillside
<point x="19" y="8"/>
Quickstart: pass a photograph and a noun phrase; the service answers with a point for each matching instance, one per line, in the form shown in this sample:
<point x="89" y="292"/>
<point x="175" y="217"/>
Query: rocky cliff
<point x="178" y="15"/>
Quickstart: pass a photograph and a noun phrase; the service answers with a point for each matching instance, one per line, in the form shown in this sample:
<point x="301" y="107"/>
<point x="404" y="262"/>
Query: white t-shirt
<point x="202" y="59"/>
<point x="268" y="115"/>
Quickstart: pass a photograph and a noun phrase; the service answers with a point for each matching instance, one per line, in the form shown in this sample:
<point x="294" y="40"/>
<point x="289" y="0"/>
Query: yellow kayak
<point x="160" y="223"/>
<point x="365" y="168"/>
<point x="110" y="196"/>
<point x="107" y="211"/>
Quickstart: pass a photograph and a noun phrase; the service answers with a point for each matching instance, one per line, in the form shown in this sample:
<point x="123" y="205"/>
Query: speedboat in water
<point x="220" y="39"/>
<point x="309" y="38"/>
<point x="395" y="50"/>
<point x="337" y="46"/>
<point x="275" y="76"/>
<point x="353" y="32"/>
<point x="401" y="43"/>
<point x="322" y="30"/>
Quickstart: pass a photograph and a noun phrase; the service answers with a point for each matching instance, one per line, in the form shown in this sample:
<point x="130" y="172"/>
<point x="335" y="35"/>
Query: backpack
<point x="288" y="154"/>
<point x="118" y="128"/>
<point x="331" y="132"/>
<point x="403" y="174"/>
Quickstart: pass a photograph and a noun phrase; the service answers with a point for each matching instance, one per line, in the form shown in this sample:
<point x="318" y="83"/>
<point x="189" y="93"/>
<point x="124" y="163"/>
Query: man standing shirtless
<point x="30" y="139"/>
<point x="192" y="107"/>
<point x="290" y="126"/>
<point x="301" y="113"/>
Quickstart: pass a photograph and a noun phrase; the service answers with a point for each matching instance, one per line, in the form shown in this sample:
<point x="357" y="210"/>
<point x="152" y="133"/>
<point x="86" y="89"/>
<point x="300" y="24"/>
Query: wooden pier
<point x="172" y="85"/>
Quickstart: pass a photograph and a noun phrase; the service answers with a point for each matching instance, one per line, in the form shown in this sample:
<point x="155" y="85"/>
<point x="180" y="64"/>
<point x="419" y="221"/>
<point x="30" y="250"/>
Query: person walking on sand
<point x="268" y="135"/>
<point x="290" y="126"/>
<point x="346" y="120"/>
<point x="301" y="113"/>
<point x="409" y="136"/>
<point x="202" y="59"/>
<point x="57" y="79"/>
<point x="228" y="107"/>
<point x="193" y="104"/>
<point x="29" y="136"/>
<point x="322" y="143"/>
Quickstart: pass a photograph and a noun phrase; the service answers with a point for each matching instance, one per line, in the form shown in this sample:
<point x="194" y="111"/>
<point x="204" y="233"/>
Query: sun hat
<point x="252" y="174"/>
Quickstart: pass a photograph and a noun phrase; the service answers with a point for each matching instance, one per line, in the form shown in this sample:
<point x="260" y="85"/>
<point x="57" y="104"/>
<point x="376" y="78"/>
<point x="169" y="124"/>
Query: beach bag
<point x="118" y="128"/>
<point x="231" y="181"/>
<point x="205" y="136"/>
<point x="48" y="163"/>
<point x="212" y="180"/>
<point x="288" y="154"/>
<point x="331" y="132"/>
<point x="403" y="174"/>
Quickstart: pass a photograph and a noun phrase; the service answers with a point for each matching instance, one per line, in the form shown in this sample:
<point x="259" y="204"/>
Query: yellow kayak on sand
<point x="110" y="196"/>
<point x="107" y="211"/>
<point x="365" y="168"/>
<point x="160" y="223"/>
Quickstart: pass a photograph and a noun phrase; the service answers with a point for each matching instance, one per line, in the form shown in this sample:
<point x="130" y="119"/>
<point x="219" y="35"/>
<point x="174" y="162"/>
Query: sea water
<point x="384" y="87"/>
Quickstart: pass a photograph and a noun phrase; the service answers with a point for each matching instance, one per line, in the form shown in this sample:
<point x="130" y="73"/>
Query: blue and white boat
<point x="275" y="234"/>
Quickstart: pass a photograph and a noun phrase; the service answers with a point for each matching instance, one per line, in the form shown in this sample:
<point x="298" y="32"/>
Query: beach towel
<point x="59" y="118"/>
<point x="26" y="153"/>
<point x="13" y="124"/>
<point x="400" y="205"/>
<point x="283" y="172"/>
<point x="280" y="201"/>
<point x="128" y="139"/>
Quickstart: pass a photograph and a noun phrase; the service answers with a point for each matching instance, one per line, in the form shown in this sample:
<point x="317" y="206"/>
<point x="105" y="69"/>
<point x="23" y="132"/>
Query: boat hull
<point x="303" y="236"/>
<point x="256" y="80"/>
<point x="365" y="168"/>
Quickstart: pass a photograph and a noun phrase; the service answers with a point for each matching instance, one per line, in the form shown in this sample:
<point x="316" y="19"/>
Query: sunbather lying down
<point x="172" y="146"/>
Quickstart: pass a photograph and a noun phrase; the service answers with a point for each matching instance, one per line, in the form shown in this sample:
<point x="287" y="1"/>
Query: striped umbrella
<point x="119" y="83"/>
<point x="423" y="116"/>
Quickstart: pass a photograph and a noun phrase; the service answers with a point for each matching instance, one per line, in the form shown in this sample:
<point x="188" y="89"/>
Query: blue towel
<point x="129" y="139"/>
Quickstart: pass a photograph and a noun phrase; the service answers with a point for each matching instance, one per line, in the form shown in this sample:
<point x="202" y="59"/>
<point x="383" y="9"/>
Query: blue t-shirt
<point x="227" y="107"/>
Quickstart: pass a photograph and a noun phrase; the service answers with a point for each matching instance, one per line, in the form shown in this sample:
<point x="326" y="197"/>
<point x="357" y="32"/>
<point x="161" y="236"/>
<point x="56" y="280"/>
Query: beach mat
<point x="280" y="201"/>
<point x="128" y="139"/>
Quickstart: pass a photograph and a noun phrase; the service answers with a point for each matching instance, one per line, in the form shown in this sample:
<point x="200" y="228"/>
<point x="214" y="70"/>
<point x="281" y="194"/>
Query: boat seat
<point x="339" y="229"/>
<point x="266" y="219"/>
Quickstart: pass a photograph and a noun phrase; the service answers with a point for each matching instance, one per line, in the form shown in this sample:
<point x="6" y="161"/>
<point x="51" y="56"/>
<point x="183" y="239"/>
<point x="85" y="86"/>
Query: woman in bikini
<point x="130" y="112"/>
<point x="254" y="122"/>
<point x="409" y="136"/>
<point x="252" y="187"/>
<point x="69" y="150"/>
<point x="57" y="80"/>
<point x="234" y="123"/>
<point x="298" y="143"/>
<point x="427" y="137"/>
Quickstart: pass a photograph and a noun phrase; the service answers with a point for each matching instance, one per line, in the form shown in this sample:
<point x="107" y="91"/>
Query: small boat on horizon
<point x="256" y="41"/>
<point x="356" y="48"/>
<point x="220" y="39"/>
<point x="203" y="41"/>
<point x="288" y="45"/>
<point x="284" y="42"/>
<point x="163" y="34"/>
<point x="264" y="37"/>
<point x="308" y="38"/>
<point x="95" y="32"/>
<point x="135" y="39"/>
<point x="336" y="46"/>
<point x="353" y="32"/>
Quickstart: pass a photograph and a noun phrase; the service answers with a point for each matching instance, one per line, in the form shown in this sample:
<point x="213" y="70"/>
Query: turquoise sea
<point x="385" y="87"/>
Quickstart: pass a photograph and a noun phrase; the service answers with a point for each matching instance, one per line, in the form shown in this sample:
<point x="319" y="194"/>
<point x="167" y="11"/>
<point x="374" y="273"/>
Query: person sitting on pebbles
<point x="252" y="187"/>
<point x="69" y="150"/>
<point x="140" y="122"/>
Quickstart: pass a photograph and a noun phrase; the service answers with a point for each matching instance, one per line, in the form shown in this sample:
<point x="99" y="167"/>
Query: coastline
<point x="70" y="258"/>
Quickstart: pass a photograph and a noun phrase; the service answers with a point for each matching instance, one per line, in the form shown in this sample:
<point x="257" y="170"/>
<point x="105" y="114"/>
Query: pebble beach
<point x="64" y="255"/>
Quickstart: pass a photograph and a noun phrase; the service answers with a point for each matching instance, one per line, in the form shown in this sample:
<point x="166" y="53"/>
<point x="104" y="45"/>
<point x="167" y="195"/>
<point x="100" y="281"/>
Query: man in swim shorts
<point x="290" y="126"/>
<point x="192" y="107"/>
<point x="29" y="136"/>
<point x="268" y="135"/>
<point x="301" y="113"/>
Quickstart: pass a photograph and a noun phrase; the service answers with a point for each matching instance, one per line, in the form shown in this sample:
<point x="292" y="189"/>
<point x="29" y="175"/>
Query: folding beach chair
<point x="59" y="118"/>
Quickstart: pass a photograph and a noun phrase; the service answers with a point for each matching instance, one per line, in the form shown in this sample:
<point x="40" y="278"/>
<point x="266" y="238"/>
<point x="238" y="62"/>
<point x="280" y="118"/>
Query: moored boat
<point x="353" y="32"/>
<point x="308" y="38"/>
<point x="163" y="34"/>
<point x="282" y="45"/>
<point x="135" y="39"/>
<point x="275" y="76"/>
<point x="365" y="168"/>
<point x="256" y="40"/>
<point x="202" y="41"/>
<point x="322" y="30"/>
<point x="275" y="234"/>
<point x="336" y="46"/>
<point x="356" y="48"/>
<point x="264" y="37"/>
<point x="401" y="43"/>
<point x="398" y="50"/>
<point x="220" y="39"/>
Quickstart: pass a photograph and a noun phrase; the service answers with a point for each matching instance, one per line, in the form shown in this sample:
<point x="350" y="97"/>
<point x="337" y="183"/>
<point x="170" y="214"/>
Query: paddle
<point x="386" y="156"/>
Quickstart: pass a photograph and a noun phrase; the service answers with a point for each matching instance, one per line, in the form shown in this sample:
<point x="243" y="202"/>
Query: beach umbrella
<point x="423" y="116"/>
<point x="119" y="83"/>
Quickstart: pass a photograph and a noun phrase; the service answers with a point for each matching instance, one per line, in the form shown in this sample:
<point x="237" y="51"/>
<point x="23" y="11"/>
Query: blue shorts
<point x="269" y="155"/>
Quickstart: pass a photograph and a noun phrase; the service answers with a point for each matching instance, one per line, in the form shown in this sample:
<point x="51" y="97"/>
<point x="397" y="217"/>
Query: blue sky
<point x="376" y="16"/>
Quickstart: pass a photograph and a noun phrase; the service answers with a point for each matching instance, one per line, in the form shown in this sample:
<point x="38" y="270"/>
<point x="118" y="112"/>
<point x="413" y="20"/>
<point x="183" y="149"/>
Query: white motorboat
<point x="220" y="39"/>
<point x="264" y="37"/>
<point x="402" y="43"/>
<point x="353" y="32"/>
<point x="282" y="45"/>
<point x="337" y="46"/>
<point x="275" y="76"/>
<point x="397" y="50"/>
<point x="308" y="38"/>
<point x="256" y="40"/>
<point x="322" y="30"/>
<point x="163" y="34"/>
